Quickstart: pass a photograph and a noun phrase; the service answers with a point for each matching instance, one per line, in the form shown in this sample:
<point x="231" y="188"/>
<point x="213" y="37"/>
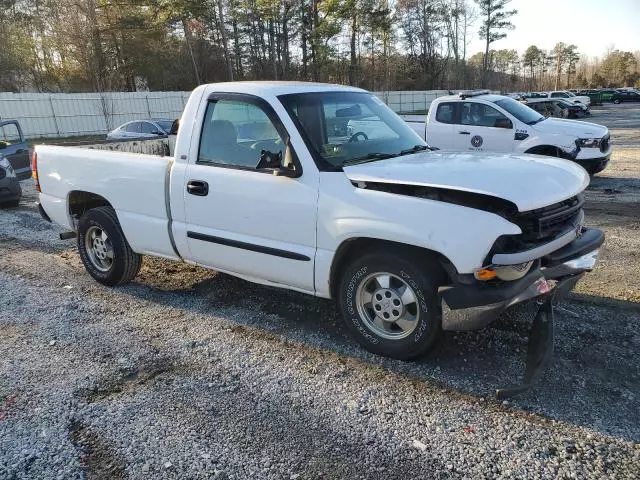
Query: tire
<point x="422" y="277"/>
<point x="11" y="204"/>
<point x="100" y="237"/>
<point x="617" y="101"/>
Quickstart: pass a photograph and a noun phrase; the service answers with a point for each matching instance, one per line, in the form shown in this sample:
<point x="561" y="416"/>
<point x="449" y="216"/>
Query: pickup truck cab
<point x="268" y="183"/>
<point x="15" y="149"/>
<point x="481" y="122"/>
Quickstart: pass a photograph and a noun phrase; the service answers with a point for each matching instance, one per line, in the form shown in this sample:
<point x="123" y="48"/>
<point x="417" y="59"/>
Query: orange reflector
<point x="485" y="274"/>
<point x="34" y="169"/>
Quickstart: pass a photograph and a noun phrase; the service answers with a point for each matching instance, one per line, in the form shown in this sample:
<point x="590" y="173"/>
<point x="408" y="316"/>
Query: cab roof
<point x="276" y="88"/>
<point x="489" y="97"/>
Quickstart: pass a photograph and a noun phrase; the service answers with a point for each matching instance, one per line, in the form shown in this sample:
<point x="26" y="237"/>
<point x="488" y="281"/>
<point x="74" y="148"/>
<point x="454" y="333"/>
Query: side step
<point x="67" y="235"/>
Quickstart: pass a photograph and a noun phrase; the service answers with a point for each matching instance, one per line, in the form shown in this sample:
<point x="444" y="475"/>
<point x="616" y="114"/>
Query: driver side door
<point x="16" y="149"/>
<point x="477" y="130"/>
<point x="242" y="219"/>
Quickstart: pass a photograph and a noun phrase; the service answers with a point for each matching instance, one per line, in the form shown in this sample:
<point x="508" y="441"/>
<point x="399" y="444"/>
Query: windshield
<point x="520" y="111"/>
<point x="571" y="94"/>
<point x="344" y="128"/>
<point x="164" y="124"/>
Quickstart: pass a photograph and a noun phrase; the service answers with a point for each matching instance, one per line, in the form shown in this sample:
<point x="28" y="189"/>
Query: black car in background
<point x="620" y="96"/>
<point x="15" y="148"/>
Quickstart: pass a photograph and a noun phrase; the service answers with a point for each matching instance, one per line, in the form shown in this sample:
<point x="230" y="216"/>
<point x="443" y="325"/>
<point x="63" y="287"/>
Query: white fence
<point x="74" y="114"/>
<point x="78" y="114"/>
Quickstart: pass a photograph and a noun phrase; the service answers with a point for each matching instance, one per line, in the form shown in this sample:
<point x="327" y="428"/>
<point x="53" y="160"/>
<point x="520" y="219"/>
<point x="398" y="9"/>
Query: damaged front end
<point x="474" y="305"/>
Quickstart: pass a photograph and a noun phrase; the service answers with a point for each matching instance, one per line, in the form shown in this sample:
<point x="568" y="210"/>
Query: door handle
<point x="464" y="133"/>
<point x="198" y="187"/>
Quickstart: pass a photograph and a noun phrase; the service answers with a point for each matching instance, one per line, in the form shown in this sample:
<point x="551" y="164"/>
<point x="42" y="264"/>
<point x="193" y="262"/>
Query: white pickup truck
<point x="480" y="122"/>
<point x="269" y="184"/>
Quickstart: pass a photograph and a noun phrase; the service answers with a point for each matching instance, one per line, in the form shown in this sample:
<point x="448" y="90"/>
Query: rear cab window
<point x="446" y="113"/>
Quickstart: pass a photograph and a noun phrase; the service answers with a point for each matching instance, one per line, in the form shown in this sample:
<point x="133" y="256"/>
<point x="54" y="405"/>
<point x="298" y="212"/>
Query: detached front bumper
<point x="470" y="307"/>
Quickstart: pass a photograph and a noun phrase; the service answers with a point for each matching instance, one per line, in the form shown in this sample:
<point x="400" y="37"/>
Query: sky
<point x="592" y="25"/>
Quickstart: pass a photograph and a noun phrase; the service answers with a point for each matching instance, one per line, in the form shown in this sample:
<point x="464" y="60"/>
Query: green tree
<point x="496" y="19"/>
<point x="531" y="60"/>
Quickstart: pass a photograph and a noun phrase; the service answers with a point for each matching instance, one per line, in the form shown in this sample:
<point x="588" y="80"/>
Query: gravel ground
<point x="191" y="374"/>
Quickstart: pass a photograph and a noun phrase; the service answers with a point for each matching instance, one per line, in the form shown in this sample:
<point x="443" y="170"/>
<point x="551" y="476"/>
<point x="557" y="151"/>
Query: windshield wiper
<point x="537" y="121"/>
<point x="414" y="149"/>
<point x="369" y="157"/>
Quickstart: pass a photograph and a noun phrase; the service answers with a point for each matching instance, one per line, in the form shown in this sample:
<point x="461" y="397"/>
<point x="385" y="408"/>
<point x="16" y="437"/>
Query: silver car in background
<point x="141" y="129"/>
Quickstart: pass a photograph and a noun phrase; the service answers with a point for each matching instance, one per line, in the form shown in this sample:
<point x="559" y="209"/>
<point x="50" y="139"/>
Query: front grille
<point x="604" y="143"/>
<point x="547" y="222"/>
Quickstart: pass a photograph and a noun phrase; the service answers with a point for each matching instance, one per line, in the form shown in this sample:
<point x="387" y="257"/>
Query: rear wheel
<point x="390" y="303"/>
<point x="617" y="101"/>
<point x="104" y="250"/>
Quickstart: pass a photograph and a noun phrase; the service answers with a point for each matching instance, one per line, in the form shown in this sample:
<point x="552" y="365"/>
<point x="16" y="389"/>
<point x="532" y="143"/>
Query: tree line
<point x="129" y="45"/>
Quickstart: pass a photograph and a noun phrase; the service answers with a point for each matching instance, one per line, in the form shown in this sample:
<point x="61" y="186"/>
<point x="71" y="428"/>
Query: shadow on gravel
<point x="96" y="458"/>
<point x="594" y="381"/>
<point x="613" y="185"/>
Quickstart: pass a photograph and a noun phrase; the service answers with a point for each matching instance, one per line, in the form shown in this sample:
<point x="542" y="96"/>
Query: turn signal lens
<point x="34" y="169"/>
<point x="485" y="274"/>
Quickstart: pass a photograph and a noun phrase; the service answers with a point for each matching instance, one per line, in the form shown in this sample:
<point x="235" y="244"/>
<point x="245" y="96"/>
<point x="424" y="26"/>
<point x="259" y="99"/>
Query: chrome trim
<point x="585" y="263"/>
<point x="542" y="250"/>
<point x="480" y="316"/>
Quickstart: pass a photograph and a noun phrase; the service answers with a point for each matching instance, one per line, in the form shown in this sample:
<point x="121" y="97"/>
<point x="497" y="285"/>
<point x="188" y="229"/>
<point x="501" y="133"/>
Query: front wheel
<point x="617" y="101"/>
<point x="104" y="250"/>
<point x="390" y="303"/>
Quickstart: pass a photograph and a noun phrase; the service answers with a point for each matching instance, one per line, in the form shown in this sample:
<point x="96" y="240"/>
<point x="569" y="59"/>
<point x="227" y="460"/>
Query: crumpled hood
<point x="529" y="181"/>
<point x="575" y="128"/>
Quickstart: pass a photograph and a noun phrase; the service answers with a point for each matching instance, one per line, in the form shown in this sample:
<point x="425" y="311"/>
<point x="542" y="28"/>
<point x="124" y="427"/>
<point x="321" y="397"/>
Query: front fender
<point x="463" y="235"/>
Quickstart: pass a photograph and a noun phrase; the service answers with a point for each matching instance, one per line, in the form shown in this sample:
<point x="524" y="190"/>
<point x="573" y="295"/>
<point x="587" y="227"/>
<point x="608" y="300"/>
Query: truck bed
<point x="135" y="185"/>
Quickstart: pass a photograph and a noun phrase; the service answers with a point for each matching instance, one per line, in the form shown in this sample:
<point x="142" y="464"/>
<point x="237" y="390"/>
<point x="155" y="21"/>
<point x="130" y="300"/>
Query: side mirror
<point x="503" y="123"/>
<point x="287" y="167"/>
<point x="3" y="145"/>
<point x="174" y="127"/>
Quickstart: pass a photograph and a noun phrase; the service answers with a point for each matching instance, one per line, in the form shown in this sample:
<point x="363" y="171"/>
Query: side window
<point x="479" y="115"/>
<point x="537" y="106"/>
<point x="10" y="133"/>
<point x="133" y="127"/>
<point x="446" y="113"/>
<point x="238" y="133"/>
<point x="146" y="127"/>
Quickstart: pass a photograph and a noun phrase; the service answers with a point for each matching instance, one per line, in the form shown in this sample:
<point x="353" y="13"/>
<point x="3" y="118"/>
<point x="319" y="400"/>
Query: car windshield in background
<point x="346" y="128"/>
<point x="520" y="111"/>
<point x="164" y="124"/>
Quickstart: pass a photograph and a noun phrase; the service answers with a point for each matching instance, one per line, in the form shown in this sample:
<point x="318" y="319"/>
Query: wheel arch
<point x="549" y="151"/>
<point x="362" y="245"/>
<point x="79" y="201"/>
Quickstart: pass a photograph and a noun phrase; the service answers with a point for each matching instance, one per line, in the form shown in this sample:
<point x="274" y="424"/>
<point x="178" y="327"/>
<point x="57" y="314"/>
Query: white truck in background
<point x="570" y="96"/>
<point x="279" y="184"/>
<point x="480" y="122"/>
